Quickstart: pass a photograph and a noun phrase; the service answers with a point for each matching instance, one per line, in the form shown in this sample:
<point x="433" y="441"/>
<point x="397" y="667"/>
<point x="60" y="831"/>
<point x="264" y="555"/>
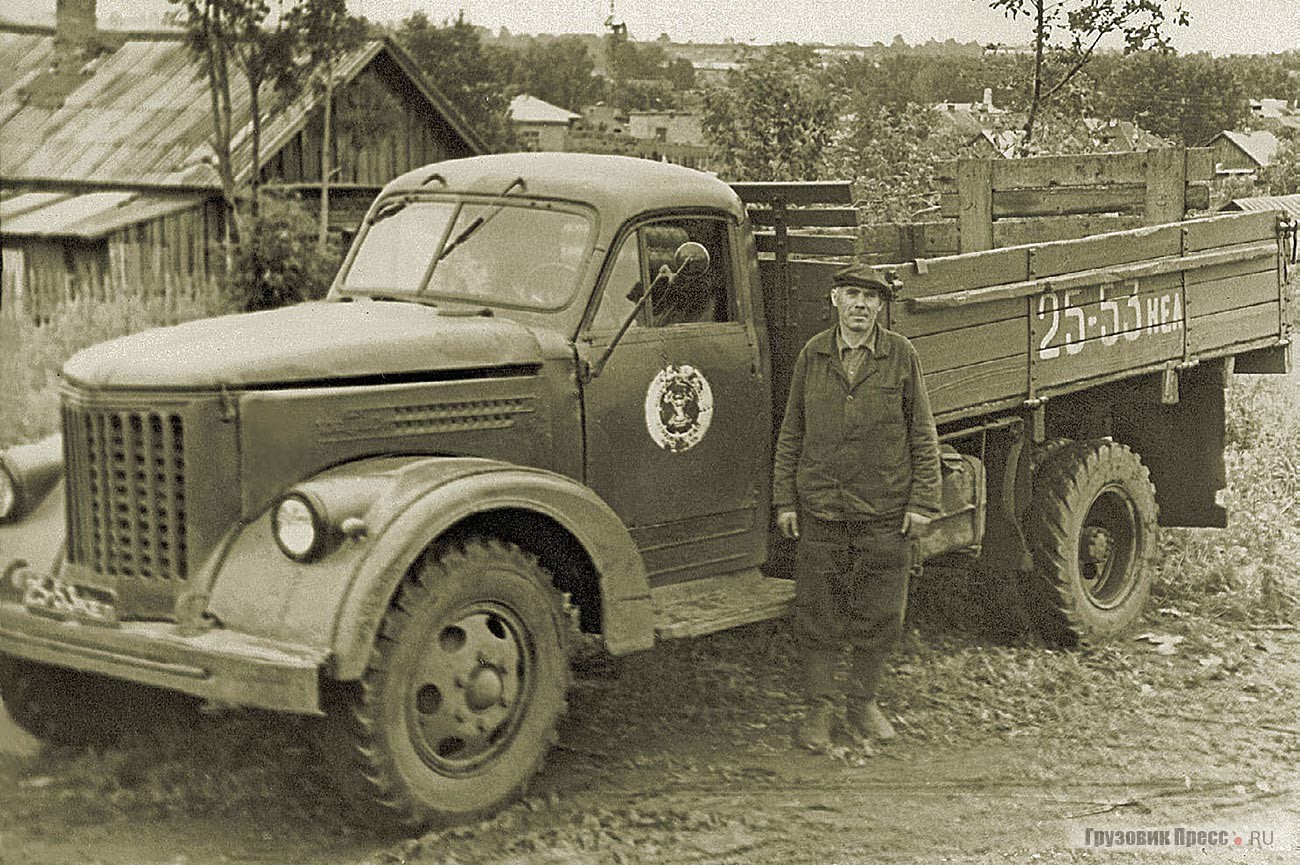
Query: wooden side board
<point x="1005" y="325"/>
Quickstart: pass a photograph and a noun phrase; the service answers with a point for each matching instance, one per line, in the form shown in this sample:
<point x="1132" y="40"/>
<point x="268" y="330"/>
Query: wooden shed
<point x="108" y="181"/>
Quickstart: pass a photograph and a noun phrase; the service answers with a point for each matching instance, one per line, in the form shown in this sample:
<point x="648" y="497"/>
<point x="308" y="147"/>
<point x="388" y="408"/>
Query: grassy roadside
<point x="33" y="356"/>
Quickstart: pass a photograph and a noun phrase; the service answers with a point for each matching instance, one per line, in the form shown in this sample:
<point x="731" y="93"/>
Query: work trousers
<point x="850" y="587"/>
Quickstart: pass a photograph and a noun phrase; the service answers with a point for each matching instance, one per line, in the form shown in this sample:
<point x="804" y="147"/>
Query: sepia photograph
<point x="615" y="433"/>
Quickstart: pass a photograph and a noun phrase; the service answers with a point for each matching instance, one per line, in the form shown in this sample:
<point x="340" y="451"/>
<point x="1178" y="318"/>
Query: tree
<point x="263" y="55"/>
<point x="558" y="71"/>
<point x="1282" y="177"/>
<point x="1188" y="99"/>
<point x="326" y="34"/>
<point x="774" y="118"/>
<point x="1067" y="33"/>
<point x="212" y="31"/>
<point x="892" y="154"/>
<point x="472" y="76"/>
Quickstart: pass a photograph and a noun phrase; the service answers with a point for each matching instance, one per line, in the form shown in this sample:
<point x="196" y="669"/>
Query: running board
<point x="697" y="607"/>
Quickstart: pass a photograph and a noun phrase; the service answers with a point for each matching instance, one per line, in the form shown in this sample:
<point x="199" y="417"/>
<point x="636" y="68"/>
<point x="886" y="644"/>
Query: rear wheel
<point x="463" y="690"/>
<point x="69" y="707"/>
<point x="1092" y="529"/>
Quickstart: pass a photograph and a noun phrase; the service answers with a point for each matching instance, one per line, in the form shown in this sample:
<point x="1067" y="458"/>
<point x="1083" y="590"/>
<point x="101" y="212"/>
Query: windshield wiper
<point x="479" y="221"/>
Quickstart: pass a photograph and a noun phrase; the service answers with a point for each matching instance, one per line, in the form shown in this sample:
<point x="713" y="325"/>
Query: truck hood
<point x="312" y="342"/>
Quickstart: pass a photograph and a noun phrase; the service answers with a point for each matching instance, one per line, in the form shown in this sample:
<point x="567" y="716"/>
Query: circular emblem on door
<point x="678" y="408"/>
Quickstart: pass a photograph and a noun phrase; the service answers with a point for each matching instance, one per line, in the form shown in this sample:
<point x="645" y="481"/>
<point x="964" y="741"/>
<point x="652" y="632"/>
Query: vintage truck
<point x="541" y="396"/>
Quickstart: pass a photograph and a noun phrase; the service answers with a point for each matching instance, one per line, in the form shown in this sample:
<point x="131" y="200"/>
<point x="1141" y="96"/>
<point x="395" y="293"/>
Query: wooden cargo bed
<point x="999" y="328"/>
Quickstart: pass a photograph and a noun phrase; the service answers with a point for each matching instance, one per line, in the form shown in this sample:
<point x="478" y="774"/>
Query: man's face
<point x="858" y="307"/>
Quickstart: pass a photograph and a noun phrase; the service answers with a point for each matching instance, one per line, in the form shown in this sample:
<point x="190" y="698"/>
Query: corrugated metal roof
<point x="142" y="114"/>
<point x="86" y="216"/>
<point x="1287" y="203"/>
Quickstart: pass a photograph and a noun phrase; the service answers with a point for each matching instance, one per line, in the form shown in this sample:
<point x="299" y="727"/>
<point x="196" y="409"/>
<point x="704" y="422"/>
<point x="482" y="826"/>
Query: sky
<point x="1218" y="26"/>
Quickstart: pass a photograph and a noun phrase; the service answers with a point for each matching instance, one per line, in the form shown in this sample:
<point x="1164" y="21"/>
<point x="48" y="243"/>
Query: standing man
<point x="856" y="482"/>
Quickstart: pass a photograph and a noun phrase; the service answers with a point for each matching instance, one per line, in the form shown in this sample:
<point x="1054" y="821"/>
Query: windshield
<point x="514" y="253"/>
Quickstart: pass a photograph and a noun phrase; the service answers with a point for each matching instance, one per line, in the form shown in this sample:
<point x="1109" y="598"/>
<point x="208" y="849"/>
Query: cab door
<point x="678" y="421"/>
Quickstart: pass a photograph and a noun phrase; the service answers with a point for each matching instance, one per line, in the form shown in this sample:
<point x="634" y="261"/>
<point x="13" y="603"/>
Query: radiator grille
<point x="126" y="492"/>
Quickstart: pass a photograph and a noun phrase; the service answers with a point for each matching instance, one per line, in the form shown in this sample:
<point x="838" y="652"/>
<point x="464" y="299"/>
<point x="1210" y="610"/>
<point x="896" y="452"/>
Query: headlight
<point x="8" y="493"/>
<point x="298" y="528"/>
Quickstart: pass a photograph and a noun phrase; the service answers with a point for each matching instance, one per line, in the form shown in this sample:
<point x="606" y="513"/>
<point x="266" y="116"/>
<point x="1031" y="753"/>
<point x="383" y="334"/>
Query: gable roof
<point x="1261" y="146"/>
<point x="530" y="109"/>
<point x="141" y="113"/>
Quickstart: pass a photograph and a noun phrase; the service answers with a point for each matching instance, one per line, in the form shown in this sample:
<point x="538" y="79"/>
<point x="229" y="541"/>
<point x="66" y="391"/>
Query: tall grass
<point x="31" y="356"/>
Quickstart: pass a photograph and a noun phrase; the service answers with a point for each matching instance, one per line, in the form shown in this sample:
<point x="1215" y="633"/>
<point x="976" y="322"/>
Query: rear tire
<point x="72" y="708"/>
<point x="1092" y="530"/>
<point x="461" y="696"/>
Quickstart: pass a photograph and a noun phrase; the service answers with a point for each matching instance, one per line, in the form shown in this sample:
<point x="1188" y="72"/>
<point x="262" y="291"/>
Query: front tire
<point x="462" y="693"/>
<point x="1092" y="530"/>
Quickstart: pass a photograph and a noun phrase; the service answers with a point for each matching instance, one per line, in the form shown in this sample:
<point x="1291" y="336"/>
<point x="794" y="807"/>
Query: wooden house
<point x="108" y="181"/>
<point x="1243" y="152"/>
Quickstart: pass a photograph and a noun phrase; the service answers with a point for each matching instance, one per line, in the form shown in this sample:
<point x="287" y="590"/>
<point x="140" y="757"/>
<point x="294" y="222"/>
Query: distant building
<point x="604" y="119"/>
<point x="671" y="127"/>
<point x="708" y="72"/>
<point x="969" y="118"/>
<point x="539" y="125"/>
<point x="1243" y="152"/>
<point x="1114" y="136"/>
<point x="1268" y="109"/>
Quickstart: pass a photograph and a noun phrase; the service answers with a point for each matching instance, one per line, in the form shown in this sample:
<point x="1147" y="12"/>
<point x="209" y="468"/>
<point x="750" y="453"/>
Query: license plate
<point x="49" y="596"/>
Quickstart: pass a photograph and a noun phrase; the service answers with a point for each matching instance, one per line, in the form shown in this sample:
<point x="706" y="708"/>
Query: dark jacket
<point x="865" y="449"/>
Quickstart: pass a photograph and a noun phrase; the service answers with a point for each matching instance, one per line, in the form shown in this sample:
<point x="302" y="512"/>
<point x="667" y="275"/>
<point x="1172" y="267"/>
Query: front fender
<point x="435" y="494"/>
<point x="35" y="534"/>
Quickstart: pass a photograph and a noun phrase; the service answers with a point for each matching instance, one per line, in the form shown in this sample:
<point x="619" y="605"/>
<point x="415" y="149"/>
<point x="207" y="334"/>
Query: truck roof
<point x="618" y="186"/>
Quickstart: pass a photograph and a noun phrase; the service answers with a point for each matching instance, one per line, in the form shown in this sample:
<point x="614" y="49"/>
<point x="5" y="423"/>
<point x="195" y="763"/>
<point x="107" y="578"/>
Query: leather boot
<point x="865" y="719"/>
<point x="814" y="731"/>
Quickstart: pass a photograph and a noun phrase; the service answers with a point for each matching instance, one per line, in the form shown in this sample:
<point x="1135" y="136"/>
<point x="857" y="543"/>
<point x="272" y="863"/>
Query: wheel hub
<point x="1096" y="545"/>
<point x="464" y="699"/>
<point x="484" y="689"/>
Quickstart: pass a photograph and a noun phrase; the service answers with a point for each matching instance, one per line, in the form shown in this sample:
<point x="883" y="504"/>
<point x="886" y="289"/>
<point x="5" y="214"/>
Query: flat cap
<point x="863" y="276"/>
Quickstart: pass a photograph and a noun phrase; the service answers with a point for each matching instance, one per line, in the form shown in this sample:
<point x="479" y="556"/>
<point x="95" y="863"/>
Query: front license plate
<point x="49" y="596"/>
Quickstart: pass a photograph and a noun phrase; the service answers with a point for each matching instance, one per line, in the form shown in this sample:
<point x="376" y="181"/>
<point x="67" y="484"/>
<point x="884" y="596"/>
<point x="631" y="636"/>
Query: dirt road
<point x="1007" y="754"/>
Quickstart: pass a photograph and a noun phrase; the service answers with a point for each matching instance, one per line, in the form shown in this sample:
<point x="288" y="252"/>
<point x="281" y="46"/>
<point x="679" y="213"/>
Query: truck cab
<point x="544" y="374"/>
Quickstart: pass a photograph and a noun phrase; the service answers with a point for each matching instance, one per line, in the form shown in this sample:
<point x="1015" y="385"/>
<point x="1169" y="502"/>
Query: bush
<point x="277" y="263"/>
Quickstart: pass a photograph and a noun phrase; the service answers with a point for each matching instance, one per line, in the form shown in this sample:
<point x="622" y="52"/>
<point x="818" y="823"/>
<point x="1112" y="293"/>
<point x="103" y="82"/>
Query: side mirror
<point x="691" y="259"/>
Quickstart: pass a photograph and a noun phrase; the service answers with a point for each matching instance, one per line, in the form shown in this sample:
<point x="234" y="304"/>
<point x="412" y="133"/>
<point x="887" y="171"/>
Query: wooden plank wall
<point x="409" y="137"/>
<point x="993" y="203"/>
<point x="177" y="258"/>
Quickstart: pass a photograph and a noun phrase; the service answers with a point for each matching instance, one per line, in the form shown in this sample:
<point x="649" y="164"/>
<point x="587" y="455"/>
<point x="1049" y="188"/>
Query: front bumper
<point x="219" y="664"/>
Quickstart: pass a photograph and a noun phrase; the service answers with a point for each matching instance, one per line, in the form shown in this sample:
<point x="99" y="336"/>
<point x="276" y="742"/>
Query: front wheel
<point x="1092" y="529"/>
<point x="462" y="693"/>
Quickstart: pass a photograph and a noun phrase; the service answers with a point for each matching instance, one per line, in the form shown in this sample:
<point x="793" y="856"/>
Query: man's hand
<point x="787" y="523"/>
<point x="914" y="525"/>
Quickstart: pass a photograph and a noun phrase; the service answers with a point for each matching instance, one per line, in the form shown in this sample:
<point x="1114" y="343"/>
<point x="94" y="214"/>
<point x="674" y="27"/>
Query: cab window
<point x="705" y="298"/>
